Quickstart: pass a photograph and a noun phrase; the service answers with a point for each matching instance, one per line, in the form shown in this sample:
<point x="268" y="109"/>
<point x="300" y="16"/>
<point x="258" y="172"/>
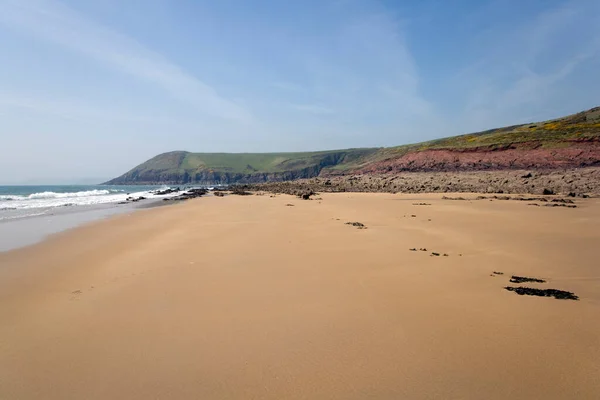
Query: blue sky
<point x="91" y="88"/>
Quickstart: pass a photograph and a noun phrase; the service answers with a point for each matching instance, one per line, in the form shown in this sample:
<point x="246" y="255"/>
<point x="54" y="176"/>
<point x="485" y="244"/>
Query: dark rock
<point x="239" y="191"/>
<point x="199" y="192"/>
<point x="166" y="191"/>
<point x="498" y="273"/>
<point x="547" y="192"/>
<point x="306" y="195"/>
<point x="189" y="194"/>
<point x="527" y="175"/>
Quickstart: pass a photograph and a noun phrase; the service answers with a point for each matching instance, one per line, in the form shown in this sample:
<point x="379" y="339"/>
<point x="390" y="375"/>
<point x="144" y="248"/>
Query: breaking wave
<point x="51" y="199"/>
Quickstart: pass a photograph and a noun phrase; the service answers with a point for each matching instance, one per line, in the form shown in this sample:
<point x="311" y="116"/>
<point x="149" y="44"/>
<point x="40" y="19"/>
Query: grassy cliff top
<point x="557" y="133"/>
<point x="246" y="163"/>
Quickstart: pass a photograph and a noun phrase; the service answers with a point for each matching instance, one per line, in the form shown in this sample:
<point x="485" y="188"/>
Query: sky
<point x="91" y="88"/>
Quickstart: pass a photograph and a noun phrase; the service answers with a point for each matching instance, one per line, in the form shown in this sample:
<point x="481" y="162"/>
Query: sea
<point x="27" y="201"/>
<point x="30" y="213"/>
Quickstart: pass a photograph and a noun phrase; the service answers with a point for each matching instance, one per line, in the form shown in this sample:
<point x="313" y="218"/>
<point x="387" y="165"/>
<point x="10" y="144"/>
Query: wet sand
<point x="20" y="231"/>
<point x="247" y="297"/>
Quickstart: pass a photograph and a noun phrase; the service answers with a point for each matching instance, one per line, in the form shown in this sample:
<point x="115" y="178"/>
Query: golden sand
<point x="246" y="297"/>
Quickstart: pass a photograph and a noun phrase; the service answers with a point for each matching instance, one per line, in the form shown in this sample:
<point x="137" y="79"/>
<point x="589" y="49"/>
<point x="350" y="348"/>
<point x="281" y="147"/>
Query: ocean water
<point x="29" y="201"/>
<point x="28" y="214"/>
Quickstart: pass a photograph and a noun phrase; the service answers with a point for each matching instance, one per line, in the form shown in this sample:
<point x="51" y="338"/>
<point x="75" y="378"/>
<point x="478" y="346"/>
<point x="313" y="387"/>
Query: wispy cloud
<point x="72" y="109"/>
<point x="520" y="77"/>
<point x="55" y="22"/>
<point x="316" y="109"/>
<point x="363" y="69"/>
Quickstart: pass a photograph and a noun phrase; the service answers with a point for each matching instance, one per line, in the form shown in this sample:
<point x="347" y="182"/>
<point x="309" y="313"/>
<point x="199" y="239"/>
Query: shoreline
<point x="276" y="297"/>
<point x="28" y="230"/>
<point x="30" y="224"/>
<point x="578" y="181"/>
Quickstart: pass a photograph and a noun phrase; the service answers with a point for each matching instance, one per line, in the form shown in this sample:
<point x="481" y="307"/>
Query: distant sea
<point x="24" y="201"/>
<point x="30" y="213"/>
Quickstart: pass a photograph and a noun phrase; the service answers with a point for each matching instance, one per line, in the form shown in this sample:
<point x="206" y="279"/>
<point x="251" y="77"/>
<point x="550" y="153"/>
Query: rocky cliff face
<point x="509" y="157"/>
<point x="212" y="177"/>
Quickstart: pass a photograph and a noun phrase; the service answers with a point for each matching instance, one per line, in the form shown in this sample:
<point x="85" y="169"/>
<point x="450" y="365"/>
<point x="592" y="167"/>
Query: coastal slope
<point x="569" y="142"/>
<point x="181" y="167"/>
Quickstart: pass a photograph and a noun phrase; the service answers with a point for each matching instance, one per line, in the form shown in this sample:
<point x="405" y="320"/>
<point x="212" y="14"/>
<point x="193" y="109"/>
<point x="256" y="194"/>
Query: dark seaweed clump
<point x="557" y="294"/>
<point x="522" y="279"/>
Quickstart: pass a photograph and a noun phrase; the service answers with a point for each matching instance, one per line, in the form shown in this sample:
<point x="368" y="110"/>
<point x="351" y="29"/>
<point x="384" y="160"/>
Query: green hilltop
<point x="181" y="167"/>
<point x="186" y="167"/>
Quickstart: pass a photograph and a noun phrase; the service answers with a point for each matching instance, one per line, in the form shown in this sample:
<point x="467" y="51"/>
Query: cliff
<point x="568" y="142"/>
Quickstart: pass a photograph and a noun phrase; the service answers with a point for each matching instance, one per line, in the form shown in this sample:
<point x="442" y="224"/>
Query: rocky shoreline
<point x="578" y="182"/>
<point x="582" y="183"/>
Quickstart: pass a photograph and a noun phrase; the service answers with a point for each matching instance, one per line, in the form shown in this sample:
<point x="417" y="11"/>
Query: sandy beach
<point x="262" y="297"/>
